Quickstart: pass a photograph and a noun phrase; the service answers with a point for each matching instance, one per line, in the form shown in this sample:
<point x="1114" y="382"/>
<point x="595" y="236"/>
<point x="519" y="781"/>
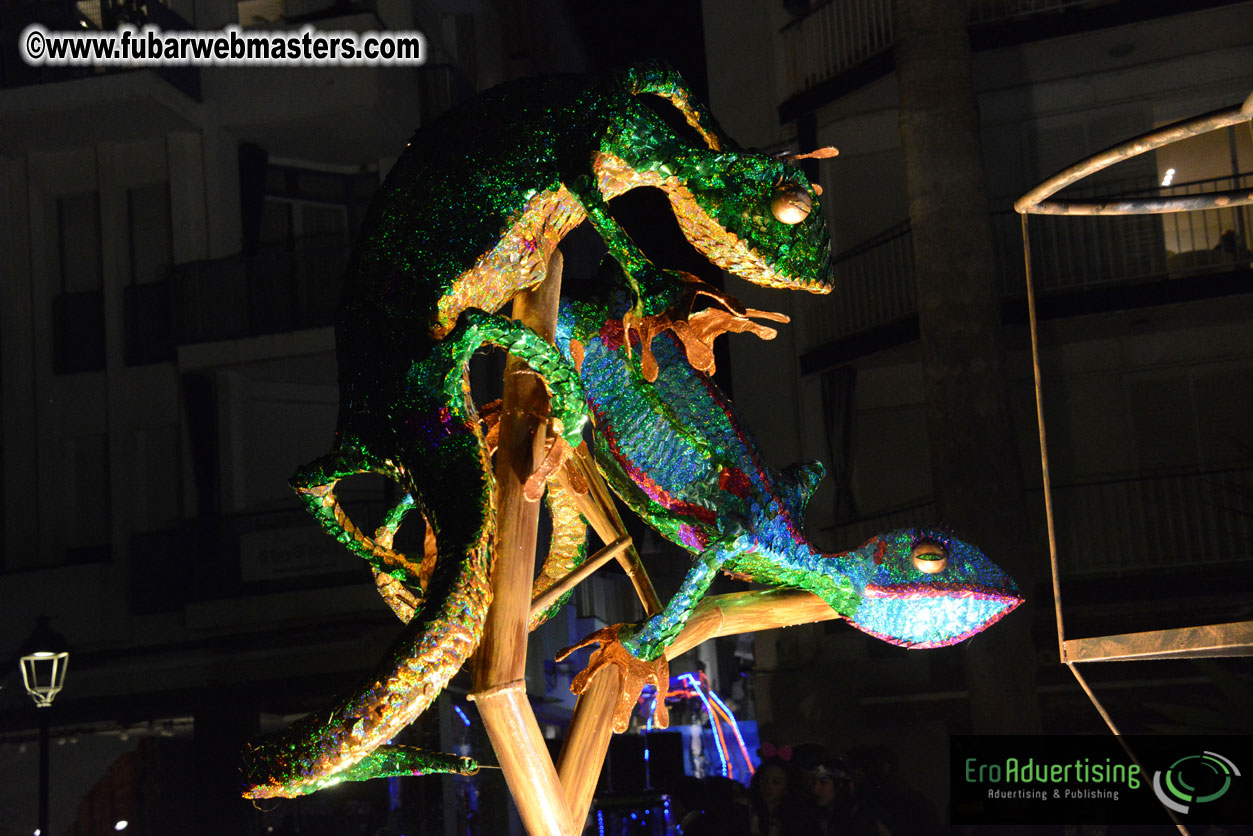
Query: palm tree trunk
<point x="974" y="457"/>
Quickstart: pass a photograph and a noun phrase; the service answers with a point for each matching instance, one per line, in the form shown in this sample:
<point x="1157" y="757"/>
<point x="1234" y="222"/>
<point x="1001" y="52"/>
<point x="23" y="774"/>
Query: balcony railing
<point x="875" y="279"/>
<point x="1132" y="524"/>
<point x="238" y="554"/>
<point x="874" y="284"/>
<point x="1121" y="524"/>
<point x="835" y="37"/>
<point x="272" y="292"/>
<point x="840" y="34"/>
<point x="85" y="15"/>
<point x="1070" y="252"/>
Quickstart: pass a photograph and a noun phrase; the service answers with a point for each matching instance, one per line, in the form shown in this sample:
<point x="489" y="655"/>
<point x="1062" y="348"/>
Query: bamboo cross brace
<point x="549" y="596"/>
<point x="748" y="612"/>
<point x="597" y="506"/>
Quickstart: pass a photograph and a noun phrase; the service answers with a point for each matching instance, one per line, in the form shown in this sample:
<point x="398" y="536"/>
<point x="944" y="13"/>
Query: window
<point x="306" y="207"/>
<point x="151" y="232"/>
<point x="147" y="297"/>
<point x="293" y="223"/>
<point x="1215" y="161"/>
<point x="78" y="310"/>
<point x="85" y="497"/>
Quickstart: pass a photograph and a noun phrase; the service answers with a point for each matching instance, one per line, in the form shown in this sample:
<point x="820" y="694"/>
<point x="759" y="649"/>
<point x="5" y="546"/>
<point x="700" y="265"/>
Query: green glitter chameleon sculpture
<point x="470" y="215"/>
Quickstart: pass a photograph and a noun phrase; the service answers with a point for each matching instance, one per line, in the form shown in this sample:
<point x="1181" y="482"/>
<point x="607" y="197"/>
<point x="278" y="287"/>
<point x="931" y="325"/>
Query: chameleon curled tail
<point x="446" y="449"/>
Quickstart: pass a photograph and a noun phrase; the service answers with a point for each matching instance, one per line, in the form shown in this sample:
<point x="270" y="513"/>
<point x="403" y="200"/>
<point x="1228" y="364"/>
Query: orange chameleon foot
<point x="634" y="675"/>
<point x="697" y="330"/>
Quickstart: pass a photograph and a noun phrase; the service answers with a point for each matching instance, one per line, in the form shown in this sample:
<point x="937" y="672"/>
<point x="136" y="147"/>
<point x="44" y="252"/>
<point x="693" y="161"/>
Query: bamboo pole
<point x="1036" y="201"/>
<point x="747" y="612"/>
<point x="500" y="664"/>
<point x="587" y="741"/>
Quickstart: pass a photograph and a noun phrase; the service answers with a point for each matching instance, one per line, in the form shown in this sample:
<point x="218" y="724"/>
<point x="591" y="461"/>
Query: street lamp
<point x="45" y="658"/>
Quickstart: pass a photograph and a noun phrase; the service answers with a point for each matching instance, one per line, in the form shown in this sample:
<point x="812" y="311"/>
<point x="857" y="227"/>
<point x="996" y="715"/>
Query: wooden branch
<point x="747" y="612"/>
<point x="587" y="741"/>
<point x="500" y="664"/>
<point x="549" y="596"/>
<point x="523" y="757"/>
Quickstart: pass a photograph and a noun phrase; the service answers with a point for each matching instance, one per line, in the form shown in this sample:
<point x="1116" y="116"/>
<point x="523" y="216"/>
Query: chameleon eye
<point x="929" y="557"/>
<point x="791" y="203"/>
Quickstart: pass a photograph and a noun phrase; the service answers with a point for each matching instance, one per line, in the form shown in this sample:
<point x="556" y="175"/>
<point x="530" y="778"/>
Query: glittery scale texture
<point x="454" y="496"/>
<point x="677" y="453"/>
<point x="567" y="549"/>
<point x="469" y="215"/>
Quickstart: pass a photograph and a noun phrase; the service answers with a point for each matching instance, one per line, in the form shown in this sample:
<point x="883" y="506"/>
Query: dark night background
<point x="173" y="242"/>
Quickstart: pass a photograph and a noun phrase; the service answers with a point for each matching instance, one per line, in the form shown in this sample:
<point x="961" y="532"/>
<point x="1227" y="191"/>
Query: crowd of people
<point x="807" y="791"/>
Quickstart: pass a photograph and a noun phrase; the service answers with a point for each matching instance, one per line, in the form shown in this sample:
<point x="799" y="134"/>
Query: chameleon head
<point x="755" y="216"/>
<point x="926" y="588"/>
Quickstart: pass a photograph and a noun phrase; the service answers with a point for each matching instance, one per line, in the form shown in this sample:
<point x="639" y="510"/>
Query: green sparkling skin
<point x="461" y="188"/>
<point x="453" y="488"/>
<point x="463" y="184"/>
<point x="396" y="762"/>
<point x="443" y="436"/>
<point x="577" y="559"/>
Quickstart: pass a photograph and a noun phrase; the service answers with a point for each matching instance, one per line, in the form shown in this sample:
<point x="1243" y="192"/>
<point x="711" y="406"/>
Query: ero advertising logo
<point x="1194" y="779"/>
<point x="1093" y="780"/>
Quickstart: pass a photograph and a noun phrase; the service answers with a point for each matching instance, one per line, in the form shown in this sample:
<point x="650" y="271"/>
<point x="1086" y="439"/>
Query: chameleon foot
<point x="634" y="673"/>
<point x="698" y="330"/>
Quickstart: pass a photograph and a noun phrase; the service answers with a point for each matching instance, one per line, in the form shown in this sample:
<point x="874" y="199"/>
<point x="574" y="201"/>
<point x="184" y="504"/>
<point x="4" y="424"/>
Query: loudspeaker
<point x="665" y="759"/>
<point x="626" y="770"/>
<point x="624" y="767"/>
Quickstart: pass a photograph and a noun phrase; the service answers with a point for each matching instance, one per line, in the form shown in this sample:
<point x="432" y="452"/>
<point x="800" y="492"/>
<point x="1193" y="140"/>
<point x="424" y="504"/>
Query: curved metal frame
<point x="1036" y="201"/>
<point x="1234" y="639"/>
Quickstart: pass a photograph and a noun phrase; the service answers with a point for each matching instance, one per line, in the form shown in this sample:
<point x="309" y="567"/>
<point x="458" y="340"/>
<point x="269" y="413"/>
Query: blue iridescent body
<point x="677" y="453"/>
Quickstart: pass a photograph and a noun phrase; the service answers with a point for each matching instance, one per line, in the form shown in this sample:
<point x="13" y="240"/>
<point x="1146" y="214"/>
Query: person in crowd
<point x="1231" y="246"/>
<point x="834" y="809"/>
<point x="879" y="786"/>
<point x="687" y="802"/>
<point x="768" y="791"/>
<point x="805" y="759"/>
<point x="726" y="810"/>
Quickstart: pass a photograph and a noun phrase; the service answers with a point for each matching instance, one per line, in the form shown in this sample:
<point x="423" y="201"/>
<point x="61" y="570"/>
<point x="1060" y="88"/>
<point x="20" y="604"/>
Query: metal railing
<point x="1070" y="253"/>
<point x="1200" y="240"/>
<point x="989" y="11"/>
<point x="835" y="37"/>
<point x="1092" y="251"/>
<point x="1167" y="520"/>
<point x="1120" y="524"/>
<point x="840" y="34"/>
<point x="874" y="280"/>
<point x="271" y="292"/>
<point x="874" y="284"/>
